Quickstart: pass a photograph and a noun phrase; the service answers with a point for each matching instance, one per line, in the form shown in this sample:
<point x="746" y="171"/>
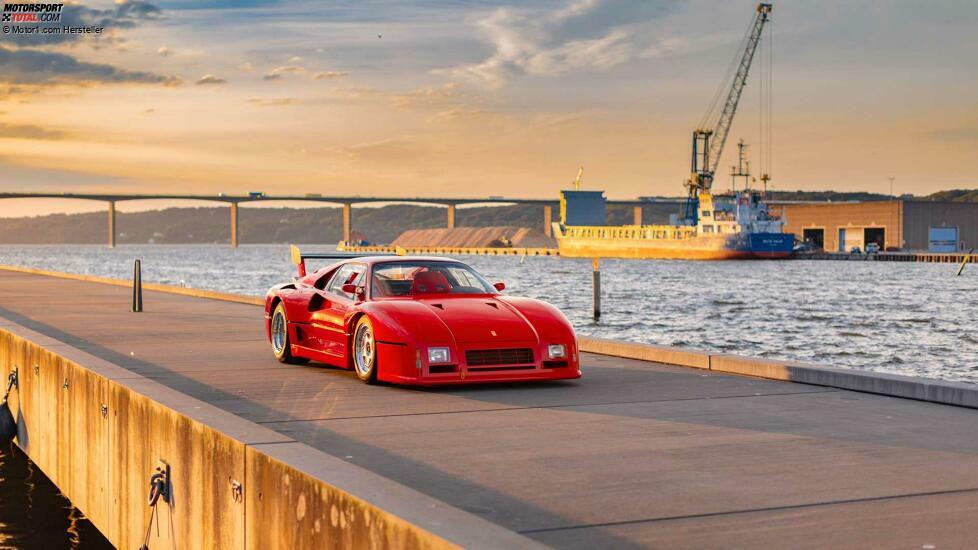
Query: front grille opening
<point x="554" y="364"/>
<point x="442" y="369"/>
<point x="512" y="356"/>
<point x="486" y="369"/>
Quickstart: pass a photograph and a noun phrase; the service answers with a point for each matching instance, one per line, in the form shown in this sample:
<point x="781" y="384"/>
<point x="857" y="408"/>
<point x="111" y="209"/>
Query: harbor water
<point x="902" y="318"/>
<point x="34" y="514"/>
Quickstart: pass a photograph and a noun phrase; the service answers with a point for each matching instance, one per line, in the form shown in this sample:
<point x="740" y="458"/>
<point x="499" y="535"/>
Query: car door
<point x="302" y="305"/>
<point x="331" y="319"/>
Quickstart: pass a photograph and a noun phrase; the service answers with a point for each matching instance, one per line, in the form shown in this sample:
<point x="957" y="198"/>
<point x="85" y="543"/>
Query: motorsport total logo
<point x="32" y="13"/>
<point x="41" y="19"/>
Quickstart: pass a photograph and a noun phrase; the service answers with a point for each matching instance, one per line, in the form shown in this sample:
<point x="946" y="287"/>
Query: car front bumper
<point x="402" y="364"/>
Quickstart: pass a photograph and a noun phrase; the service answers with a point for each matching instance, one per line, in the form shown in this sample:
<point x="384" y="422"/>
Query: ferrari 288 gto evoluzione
<point x="416" y="320"/>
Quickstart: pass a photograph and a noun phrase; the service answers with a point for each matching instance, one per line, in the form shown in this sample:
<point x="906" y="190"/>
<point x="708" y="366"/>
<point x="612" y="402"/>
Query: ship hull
<point x="733" y="247"/>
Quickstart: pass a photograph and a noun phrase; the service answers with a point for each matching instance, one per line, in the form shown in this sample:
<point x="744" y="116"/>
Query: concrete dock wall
<point x="184" y="291"/>
<point x="644" y="352"/>
<point x="910" y="387"/>
<point x="98" y="431"/>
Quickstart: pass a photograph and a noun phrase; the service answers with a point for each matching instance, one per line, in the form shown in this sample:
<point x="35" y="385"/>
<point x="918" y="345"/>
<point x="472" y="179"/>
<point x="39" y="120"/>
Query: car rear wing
<point x="299" y="258"/>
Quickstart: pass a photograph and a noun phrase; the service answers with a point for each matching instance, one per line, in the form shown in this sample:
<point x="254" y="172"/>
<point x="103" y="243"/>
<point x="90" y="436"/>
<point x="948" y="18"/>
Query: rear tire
<point x="365" y="351"/>
<point x="281" y="342"/>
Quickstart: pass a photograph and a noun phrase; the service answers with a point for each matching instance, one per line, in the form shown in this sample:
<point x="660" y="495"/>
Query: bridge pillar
<point x="346" y="222"/>
<point x="548" y="217"/>
<point x="111" y="224"/>
<point x="451" y="216"/>
<point x="637" y="214"/>
<point x="234" y="225"/>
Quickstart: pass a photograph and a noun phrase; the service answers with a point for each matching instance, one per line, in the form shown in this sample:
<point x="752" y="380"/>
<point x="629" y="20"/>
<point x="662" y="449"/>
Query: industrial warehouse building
<point x="899" y="224"/>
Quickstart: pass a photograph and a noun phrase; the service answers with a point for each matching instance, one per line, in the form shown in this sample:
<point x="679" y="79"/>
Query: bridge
<point x="346" y="202"/>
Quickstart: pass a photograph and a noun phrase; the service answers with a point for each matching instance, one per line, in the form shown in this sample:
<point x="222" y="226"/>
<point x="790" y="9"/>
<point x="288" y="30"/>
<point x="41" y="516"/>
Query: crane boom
<point x="708" y="142"/>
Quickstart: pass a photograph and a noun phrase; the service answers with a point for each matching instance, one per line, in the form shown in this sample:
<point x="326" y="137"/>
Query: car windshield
<point x="414" y="278"/>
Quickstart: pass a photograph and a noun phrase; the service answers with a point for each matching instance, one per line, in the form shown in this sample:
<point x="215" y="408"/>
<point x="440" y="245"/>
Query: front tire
<point x="281" y="344"/>
<point x="365" y="351"/>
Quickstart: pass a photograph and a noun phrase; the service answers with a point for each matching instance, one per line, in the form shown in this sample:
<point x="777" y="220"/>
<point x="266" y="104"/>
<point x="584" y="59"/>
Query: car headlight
<point x="439" y="355"/>
<point x="556" y="351"/>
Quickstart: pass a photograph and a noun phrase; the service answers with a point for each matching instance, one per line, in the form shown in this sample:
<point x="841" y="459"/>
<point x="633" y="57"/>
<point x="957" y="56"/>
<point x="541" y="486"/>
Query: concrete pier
<point x="548" y="218"/>
<point x="347" y="219"/>
<point x="450" y="223"/>
<point x="912" y="256"/>
<point x="637" y="453"/>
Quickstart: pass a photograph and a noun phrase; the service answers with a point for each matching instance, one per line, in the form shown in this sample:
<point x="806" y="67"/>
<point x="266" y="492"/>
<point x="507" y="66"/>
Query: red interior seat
<point x="430" y="282"/>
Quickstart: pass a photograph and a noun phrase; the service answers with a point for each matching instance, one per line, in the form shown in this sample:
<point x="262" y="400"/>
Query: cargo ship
<point x="737" y="226"/>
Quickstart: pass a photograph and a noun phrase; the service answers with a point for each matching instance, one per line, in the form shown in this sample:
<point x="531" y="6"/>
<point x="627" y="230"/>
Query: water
<point x="903" y="318"/>
<point x="33" y="514"/>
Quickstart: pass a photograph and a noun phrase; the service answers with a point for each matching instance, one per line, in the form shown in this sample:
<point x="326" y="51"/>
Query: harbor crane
<point x="711" y="135"/>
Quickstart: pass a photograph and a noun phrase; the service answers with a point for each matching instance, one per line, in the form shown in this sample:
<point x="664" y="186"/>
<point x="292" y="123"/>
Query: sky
<point x="478" y="98"/>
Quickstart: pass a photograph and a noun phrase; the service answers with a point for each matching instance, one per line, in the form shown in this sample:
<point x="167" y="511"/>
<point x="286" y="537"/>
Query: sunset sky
<point x="477" y="98"/>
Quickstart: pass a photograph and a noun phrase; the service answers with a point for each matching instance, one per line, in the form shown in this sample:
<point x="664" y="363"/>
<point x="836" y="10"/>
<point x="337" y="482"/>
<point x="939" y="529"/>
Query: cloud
<point x="398" y="149"/>
<point x="129" y="13"/>
<point x="586" y="35"/>
<point x="28" y="131"/>
<point x="277" y="72"/>
<point x="26" y="66"/>
<point x="273" y="102"/>
<point x="428" y="96"/>
<point x="444" y="97"/>
<point x="209" y="79"/>
<point x="457" y="113"/>
<point x="124" y="14"/>
<point x="164" y="51"/>
<point x="327" y="75"/>
<point x="960" y="134"/>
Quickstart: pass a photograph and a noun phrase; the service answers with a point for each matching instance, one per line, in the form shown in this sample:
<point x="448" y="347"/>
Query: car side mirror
<point x="353" y="289"/>
<point x="500" y="286"/>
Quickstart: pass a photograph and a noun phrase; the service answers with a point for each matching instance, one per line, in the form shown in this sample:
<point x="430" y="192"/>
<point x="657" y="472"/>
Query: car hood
<point x="481" y="319"/>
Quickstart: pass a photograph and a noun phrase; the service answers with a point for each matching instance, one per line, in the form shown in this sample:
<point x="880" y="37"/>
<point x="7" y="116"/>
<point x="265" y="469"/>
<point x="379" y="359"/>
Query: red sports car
<point x="416" y="320"/>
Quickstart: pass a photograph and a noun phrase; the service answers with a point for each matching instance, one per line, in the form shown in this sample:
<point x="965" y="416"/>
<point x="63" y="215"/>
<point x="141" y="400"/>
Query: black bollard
<point x="137" y="288"/>
<point x="596" y="283"/>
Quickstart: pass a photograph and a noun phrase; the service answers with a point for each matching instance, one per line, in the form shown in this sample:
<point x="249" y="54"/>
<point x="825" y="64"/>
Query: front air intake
<point x="513" y="356"/>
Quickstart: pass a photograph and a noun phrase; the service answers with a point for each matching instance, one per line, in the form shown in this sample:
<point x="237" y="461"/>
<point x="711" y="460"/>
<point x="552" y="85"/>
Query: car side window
<point x="324" y="278"/>
<point x="346" y="275"/>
